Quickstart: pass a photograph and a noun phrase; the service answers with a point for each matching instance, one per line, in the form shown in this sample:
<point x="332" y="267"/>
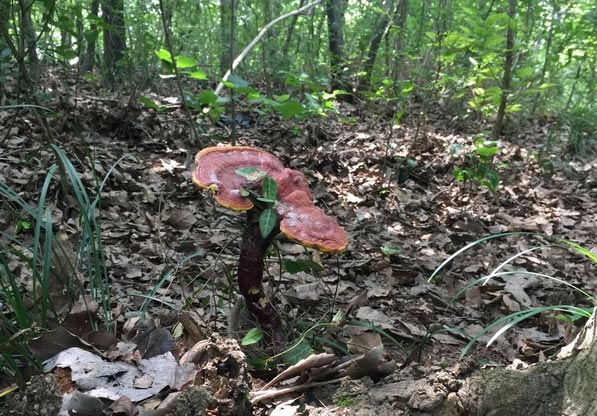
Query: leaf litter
<point x="164" y="237"/>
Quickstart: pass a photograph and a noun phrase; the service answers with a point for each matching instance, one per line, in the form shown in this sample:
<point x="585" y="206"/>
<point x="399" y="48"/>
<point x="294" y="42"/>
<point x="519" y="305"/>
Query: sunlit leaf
<point x="185" y="62"/>
<point x="198" y="74"/>
<point x="254" y="335"/>
<point x="164" y="55"/>
<point x="207" y="97"/>
<point x="251" y="173"/>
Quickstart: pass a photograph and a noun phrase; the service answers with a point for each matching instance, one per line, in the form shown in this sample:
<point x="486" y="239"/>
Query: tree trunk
<point x="335" y="16"/>
<point x="290" y="32"/>
<point x="563" y="387"/>
<point x="91" y="38"/>
<point x="547" y="57"/>
<point x="508" y="64"/>
<point x="379" y="29"/>
<point x="399" y="19"/>
<point x="114" y="38"/>
<point x="28" y="39"/>
<point x="225" y="35"/>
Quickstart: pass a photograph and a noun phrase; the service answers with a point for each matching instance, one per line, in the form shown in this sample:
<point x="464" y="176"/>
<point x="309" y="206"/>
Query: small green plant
<point x="569" y="313"/>
<point x="573" y="135"/>
<point x="479" y="165"/>
<point x="345" y="401"/>
<point x="33" y="299"/>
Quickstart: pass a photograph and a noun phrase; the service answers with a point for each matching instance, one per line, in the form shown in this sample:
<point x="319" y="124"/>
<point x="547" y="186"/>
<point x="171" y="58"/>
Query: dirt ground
<point x="390" y="187"/>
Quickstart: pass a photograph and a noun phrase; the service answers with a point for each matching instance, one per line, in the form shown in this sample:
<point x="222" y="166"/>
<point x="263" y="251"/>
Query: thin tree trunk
<point x="335" y="18"/>
<point x="28" y="39"/>
<point x="290" y="31"/>
<point x="114" y="38"/>
<point x="399" y="18"/>
<point x="547" y="58"/>
<point x="573" y="89"/>
<point x="90" y="40"/>
<point x="378" y="32"/>
<point x="508" y="64"/>
<point x="225" y="35"/>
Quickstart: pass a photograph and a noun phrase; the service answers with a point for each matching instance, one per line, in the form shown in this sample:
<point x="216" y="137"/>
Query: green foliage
<point x="578" y="128"/>
<point x="269" y="193"/>
<point x="569" y="313"/>
<point x="32" y="300"/>
<point x="253" y="336"/>
<point x="345" y="401"/>
<point x="479" y="165"/>
<point x="296" y="266"/>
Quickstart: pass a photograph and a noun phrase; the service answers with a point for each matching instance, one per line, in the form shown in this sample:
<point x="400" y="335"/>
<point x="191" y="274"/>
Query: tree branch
<point x="260" y="35"/>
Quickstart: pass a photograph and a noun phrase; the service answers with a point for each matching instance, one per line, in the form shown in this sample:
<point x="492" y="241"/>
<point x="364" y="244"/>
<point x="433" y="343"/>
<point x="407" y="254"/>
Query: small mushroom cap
<point x="309" y="226"/>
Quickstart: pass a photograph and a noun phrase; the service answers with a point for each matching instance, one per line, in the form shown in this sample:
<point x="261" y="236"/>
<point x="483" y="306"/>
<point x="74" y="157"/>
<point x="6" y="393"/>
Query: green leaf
<point x="198" y="74"/>
<point x="254" y="335"/>
<point x="291" y="109"/>
<point x="298" y="352"/>
<point x="267" y="221"/>
<point x="207" y="97"/>
<point x="486" y="149"/>
<point x="251" y="173"/>
<point x="267" y="200"/>
<point x="269" y="188"/>
<point x="183" y="62"/>
<point x="234" y="81"/>
<point x="149" y="103"/>
<point x="390" y="250"/>
<point x="296" y="266"/>
<point x="282" y="98"/>
<point x="164" y="55"/>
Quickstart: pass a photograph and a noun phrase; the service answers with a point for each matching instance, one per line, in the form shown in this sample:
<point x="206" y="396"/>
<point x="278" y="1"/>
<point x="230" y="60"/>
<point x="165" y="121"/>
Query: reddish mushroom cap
<point x="309" y="226"/>
<point x="216" y="170"/>
<point x="301" y="220"/>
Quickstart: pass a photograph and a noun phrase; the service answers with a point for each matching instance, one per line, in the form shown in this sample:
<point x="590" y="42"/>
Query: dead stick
<point x="269" y="394"/>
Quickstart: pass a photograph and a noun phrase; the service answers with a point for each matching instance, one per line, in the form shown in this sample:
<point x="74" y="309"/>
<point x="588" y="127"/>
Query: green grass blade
<point x="582" y="250"/>
<point x="473" y="244"/>
<point x="39" y="224"/>
<point x="546" y="276"/>
<point x="46" y="272"/>
<point x="517" y="255"/>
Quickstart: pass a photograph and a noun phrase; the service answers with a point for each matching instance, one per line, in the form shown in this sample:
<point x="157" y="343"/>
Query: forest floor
<point x="404" y="219"/>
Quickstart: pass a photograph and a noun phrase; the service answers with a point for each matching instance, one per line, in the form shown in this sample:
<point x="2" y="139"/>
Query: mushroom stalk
<point x="250" y="270"/>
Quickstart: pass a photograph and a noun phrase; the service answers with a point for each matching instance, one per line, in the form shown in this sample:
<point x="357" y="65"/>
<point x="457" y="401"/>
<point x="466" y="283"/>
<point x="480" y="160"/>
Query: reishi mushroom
<point x="297" y="217"/>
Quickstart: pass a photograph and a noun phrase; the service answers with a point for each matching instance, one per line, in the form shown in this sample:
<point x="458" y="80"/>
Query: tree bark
<point x="290" y="31"/>
<point x="225" y="35"/>
<point x="29" y="39"/>
<point x="88" y="60"/>
<point x="508" y="64"/>
<point x="335" y="17"/>
<point x="114" y="38"/>
<point x="379" y="29"/>
<point x="563" y="387"/>
<point x="399" y="19"/>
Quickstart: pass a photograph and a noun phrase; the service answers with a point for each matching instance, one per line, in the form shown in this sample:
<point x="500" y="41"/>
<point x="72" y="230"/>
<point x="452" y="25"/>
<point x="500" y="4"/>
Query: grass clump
<point x="41" y="272"/>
